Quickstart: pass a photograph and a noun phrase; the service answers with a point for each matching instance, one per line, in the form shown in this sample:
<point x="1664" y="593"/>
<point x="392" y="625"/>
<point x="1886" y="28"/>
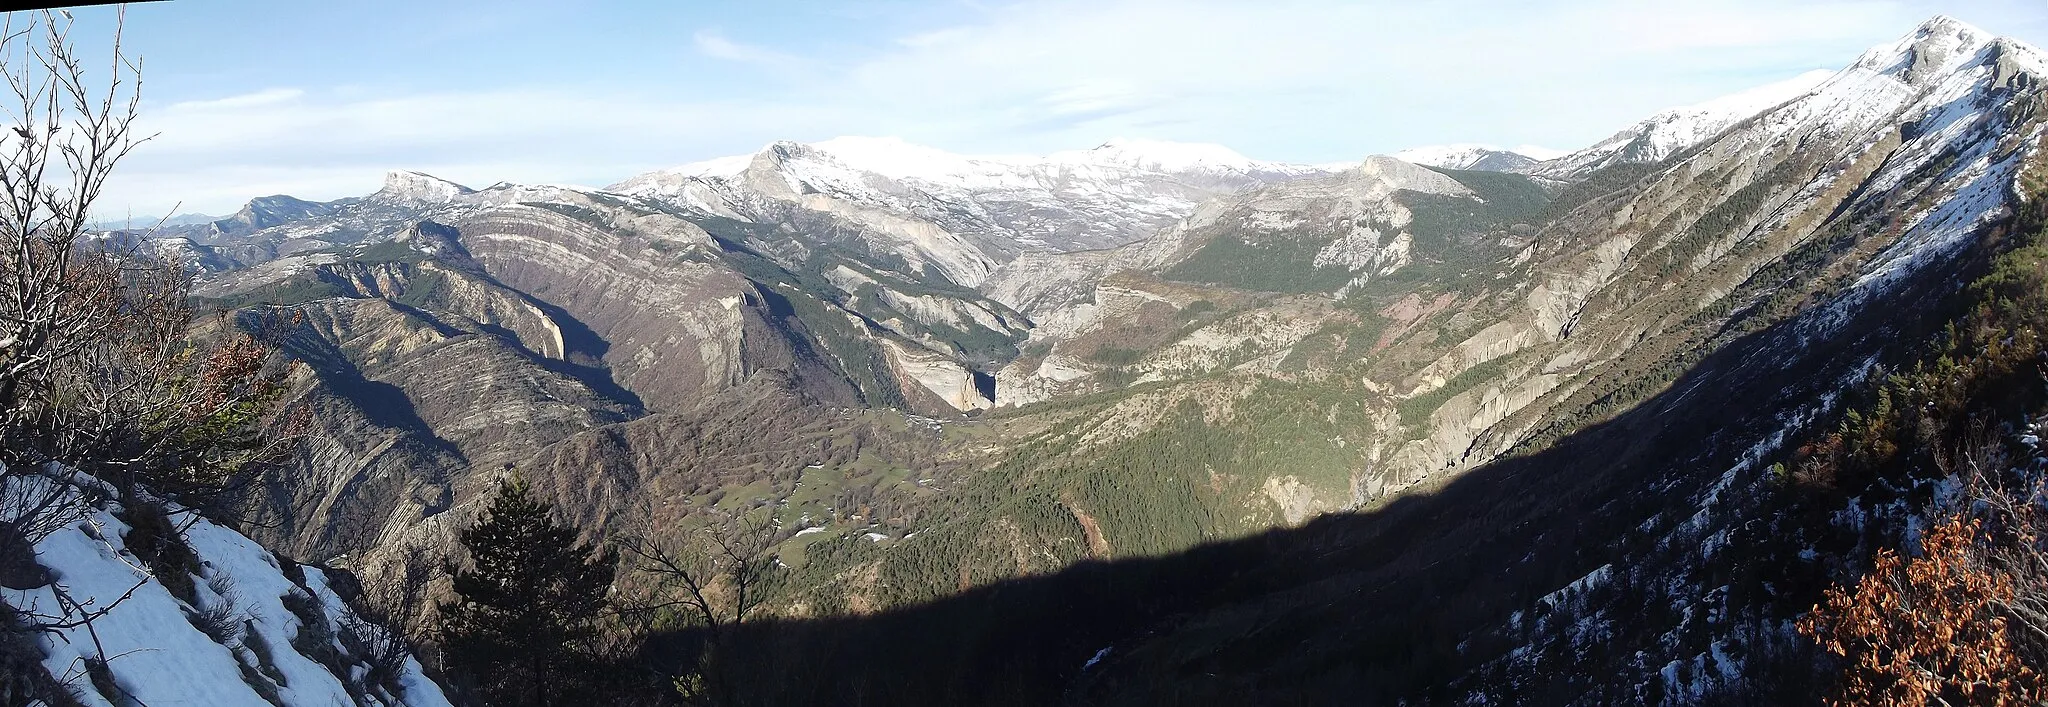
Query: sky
<point x="255" y="97"/>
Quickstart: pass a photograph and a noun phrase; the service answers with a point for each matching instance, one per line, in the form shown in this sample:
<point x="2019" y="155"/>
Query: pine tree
<point x="521" y="631"/>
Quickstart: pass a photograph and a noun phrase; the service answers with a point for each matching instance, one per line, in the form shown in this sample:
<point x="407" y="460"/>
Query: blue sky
<point x="318" y="99"/>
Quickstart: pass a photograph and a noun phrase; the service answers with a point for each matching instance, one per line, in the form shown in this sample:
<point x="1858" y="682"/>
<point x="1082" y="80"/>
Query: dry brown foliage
<point x="1928" y="629"/>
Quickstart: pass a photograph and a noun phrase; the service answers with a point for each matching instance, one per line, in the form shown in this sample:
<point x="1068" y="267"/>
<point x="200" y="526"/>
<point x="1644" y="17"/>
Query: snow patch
<point x="156" y="653"/>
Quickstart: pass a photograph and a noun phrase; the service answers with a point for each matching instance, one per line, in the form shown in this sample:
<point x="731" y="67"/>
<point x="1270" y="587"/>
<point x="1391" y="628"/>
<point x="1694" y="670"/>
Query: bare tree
<point x="104" y="386"/>
<point x="713" y="576"/>
<point x="54" y="160"/>
<point x="99" y="369"/>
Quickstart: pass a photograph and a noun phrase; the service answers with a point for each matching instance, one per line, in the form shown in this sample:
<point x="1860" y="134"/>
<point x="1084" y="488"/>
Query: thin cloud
<point x="259" y="98"/>
<point x="716" y="46"/>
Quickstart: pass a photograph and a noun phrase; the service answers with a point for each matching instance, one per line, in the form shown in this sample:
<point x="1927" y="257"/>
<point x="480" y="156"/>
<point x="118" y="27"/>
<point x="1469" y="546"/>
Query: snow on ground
<point x="1674" y="130"/>
<point x="159" y="656"/>
<point x="1679" y="128"/>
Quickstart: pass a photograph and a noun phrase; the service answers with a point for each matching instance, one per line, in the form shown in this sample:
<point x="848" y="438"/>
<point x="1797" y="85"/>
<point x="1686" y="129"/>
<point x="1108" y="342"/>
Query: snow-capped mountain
<point x="964" y="214"/>
<point x="1477" y="157"/>
<point x="896" y="159"/>
<point x="1670" y="132"/>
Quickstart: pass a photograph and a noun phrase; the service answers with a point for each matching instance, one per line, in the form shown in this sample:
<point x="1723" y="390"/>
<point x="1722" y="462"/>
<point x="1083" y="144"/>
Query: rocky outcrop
<point x="414" y="188"/>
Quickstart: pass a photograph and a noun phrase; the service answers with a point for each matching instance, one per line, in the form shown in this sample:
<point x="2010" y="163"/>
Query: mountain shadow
<point x="1400" y="602"/>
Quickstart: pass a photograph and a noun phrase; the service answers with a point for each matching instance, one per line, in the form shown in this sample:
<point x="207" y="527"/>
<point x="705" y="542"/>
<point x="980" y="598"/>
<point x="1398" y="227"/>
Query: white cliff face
<point x="938" y="374"/>
<point x="407" y="187"/>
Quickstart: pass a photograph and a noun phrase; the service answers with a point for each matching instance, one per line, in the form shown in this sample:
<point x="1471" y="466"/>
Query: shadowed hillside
<point x="1419" y="598"/>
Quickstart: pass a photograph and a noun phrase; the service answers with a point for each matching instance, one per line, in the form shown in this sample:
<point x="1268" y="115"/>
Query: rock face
<point x="402" y="186"/>
<point x="266" y="212"/>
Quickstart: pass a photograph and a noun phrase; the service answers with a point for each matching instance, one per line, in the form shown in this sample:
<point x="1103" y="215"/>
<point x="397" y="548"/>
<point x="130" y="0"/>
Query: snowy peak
<point x="1187" y="159"/>
<point x="717" y="167"/>
<point x="408" y="187"/>
<point x="892" y="157"/>
<point x="1160" y="156"/>
<point x="1471" y="156"/>
<point x="999" y="205"/>
<point x="1672" y="131"/>
<point x="897" y="159"/>
<point x="1936" y="47"/>
<point x="884" y="156"/>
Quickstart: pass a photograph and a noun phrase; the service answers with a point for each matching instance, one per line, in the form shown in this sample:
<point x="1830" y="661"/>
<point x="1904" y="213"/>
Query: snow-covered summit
<point x="1001" y="205"/>
<point x="1670" y="132"/>
<point x="1476" y="156"/>
<point x="898" y="159"/>
<point x="1175" y="158"/>
<point x="1935" y="46"/>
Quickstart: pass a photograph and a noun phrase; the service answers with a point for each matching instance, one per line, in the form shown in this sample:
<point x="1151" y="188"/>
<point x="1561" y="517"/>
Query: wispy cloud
<point x="715" y="45"/>
<point x="259" y="98"/>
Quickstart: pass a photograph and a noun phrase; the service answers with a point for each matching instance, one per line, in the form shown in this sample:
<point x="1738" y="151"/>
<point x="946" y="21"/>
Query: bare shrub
<point x="712" y="577"/>
<point x="379" y="647"/>
<point x="222" y="619"/>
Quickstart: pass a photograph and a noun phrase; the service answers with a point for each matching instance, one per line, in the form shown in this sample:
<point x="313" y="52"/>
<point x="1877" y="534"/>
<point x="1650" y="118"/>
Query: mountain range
<point x="1155" y="422"/>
